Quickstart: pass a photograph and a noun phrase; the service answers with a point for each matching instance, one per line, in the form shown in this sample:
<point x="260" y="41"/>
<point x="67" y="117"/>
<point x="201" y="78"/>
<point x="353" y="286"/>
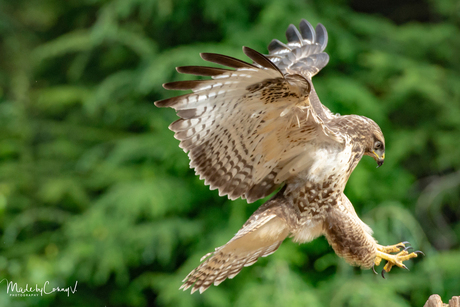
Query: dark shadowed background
<point x="94" y="188"/>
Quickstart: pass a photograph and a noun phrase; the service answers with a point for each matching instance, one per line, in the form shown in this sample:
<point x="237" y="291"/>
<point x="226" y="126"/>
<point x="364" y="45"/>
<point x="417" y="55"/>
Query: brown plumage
<point x="257" y="127"/>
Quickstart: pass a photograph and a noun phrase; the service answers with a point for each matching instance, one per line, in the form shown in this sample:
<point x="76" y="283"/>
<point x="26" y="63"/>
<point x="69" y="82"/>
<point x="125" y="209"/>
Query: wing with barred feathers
<point x="303" y="54"/>
<point x="250" y="128"/>
<point x="247" y="130"/>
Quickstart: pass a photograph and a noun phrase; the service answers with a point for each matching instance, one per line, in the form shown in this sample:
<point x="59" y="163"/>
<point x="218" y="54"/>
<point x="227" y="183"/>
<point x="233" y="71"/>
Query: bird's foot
<point x="383" y="253"/>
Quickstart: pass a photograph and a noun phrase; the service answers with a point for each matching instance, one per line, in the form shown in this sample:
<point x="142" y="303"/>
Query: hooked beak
<point x="379" y="159"/>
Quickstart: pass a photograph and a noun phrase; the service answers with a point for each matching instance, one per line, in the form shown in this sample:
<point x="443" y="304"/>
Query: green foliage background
<point x="94" y="189"/>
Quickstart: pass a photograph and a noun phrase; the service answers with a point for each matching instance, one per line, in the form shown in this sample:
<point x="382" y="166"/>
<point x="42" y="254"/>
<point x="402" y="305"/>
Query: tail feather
<point x="222" y="265"/>
<point x="259" y="237"/>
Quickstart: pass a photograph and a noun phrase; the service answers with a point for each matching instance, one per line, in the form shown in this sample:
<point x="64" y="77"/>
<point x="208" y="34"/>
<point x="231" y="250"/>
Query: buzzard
<point x="255" y="128"/>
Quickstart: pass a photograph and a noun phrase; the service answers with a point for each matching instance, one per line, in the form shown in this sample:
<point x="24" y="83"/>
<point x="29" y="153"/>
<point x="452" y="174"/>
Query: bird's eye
<point x="378" y="145"/>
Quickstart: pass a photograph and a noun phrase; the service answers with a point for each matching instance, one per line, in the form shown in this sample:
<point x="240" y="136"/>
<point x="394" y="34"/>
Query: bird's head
<point x="375" y="145"/>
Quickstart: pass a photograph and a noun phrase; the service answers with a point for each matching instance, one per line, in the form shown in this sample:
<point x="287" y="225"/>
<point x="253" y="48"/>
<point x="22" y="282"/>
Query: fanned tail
<point x="222" y="265"/>
<point x="260" y="236"/>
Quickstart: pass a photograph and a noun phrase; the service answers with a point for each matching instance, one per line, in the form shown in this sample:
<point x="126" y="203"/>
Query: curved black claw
<point x="403" y="244"/>
<point x="383" y="273"/>
<point x="373" y="269"/>
<point x="419" y="252"/>
<point x="408" y="248"/>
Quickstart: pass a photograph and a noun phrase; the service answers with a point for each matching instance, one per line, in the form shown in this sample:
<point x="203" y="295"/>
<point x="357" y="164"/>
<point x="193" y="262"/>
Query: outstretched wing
<point x="303" y="54"/>
<point x="247" y="130"/>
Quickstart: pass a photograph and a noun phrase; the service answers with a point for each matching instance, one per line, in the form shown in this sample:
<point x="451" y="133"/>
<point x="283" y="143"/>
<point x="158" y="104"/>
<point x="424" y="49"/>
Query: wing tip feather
<point x="260" y="59"/>
<point x="162" y="103"/>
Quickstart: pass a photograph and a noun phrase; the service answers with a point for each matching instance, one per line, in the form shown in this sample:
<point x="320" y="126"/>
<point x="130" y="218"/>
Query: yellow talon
<point x="391" y="248"/>
<point x="383" y="253"/>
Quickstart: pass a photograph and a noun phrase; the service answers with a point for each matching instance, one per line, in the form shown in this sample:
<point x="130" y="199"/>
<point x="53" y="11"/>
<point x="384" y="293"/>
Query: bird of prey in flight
<point x="255" y="128"/>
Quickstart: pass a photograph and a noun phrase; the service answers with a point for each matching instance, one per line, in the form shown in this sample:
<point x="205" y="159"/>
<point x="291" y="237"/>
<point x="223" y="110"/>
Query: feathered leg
<point x="352" y="239"/>
<point x="349" y="236"/>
